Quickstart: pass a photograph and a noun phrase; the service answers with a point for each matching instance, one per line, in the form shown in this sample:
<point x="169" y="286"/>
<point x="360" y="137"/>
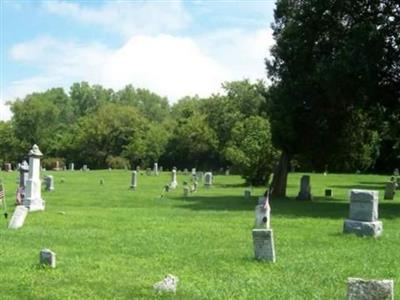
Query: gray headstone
<point x="155" y="169"/>
<point x="174" y="182"/>
<point x="262" y="217"/>
<point x="247" y="194"/>
<point x="363" y="205"/>
<point x="18" y="218"/>
<point x="47" y="258"/>
<point x="396" y="172"/>
<point x="23" y="174"/>
<point x="390" y="190"/>
<point x="148" y="171"/>
<point x="49" y="182"/>
<point x="71" y="166"/>
<point x="208" y="179"/>
<point x="84" y="168"/>
<point x="305" y="189"/>
<point x="134" y="180"/>
<point x="361" y="289"/>
<point x="263" y="242"/>
<point x="361" y="228"/>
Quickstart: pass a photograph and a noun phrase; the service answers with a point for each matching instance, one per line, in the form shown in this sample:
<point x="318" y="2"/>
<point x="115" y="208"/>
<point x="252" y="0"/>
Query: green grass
<point x="114" y="243"/>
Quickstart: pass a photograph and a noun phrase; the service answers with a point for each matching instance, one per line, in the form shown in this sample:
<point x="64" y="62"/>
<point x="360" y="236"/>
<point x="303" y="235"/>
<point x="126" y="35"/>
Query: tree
<point x="334" y="62"/>
<point x="250" y="150"/>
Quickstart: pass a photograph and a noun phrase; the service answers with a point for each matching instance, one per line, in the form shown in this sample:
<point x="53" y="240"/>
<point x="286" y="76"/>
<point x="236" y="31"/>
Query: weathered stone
<point x="208" y="179"/>
<point x="363" y="205"/>
<point x="328" y="193"/>
<point x="134" y="180"/>
<point x="23" y="174"/>
<point x="18" y="217"/>
<point x="49" y="182"/>
<point x="84" y="168"/>
<point x="148" y="171"/>
<point x="168" y="284"/>
<point x="305" y="189"/>
<point x="33" y="195"/>
<point x="71" y="166"/>
<point x="155" y="169"/>
<point x="247" y="194"/>
<point x="263" y="242"/>
<point x="262" y="217"/>
<point x="390" y="189"/>
<point x="361" y="228"/>
<point x="174" y="181"/>
<point x="361" y="289"/>
<point x="47" y="258"/>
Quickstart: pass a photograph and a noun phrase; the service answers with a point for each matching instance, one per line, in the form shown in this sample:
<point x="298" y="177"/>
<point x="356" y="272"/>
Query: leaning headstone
<point x="33" y="195"/>
<point x="23" y="174"/>
<point x="247" y="194"/>
<point x="18" y="218"/>
<point x="208" y="179"/>
<point x="174" y="181"/>
<point x="71" y="166"/>
<point x="7" y="167"/>
<point x="390" y="189"/>
<point x="168" y="284"/>
<point x="328" y="193"/>
<point x="263" y="241"/>
<point x="363" y="218"/>
<point x="362" y="289"/>
<point x="155" y="169"/>
<point x="47" y="258"/>
<point x="49" y="182"/>
<point x="305" y="189"/>
<point x="134" y="180"/>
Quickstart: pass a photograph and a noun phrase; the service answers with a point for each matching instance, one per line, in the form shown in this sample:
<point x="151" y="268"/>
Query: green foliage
<point x="117" y="162"/>
<point x="250" y="150"/>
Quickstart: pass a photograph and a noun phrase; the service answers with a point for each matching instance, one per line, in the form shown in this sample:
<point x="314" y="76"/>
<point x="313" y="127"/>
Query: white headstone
<point x="33" y="194"/>
<point x="134" y="180"/>
<point x="71" y="166"/>
<point x="155" y="169"/>
<point x="18" y="218"/>
<point x="23" y="174"/>
<point x="174" y="181"/>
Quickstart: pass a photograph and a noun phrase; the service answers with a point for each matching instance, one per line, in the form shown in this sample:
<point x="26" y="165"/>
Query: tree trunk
<point x="279" y="181"/>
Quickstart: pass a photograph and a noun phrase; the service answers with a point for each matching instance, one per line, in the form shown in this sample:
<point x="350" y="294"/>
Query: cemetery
<point x="121" y="238"/>
<point x="184" y="149"/>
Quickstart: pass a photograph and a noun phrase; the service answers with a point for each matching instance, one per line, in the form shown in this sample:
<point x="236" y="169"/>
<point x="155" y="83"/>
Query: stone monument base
<point x="35" y="206"/>
<point x="263" y="241"/>
<point x="362" y="228"/>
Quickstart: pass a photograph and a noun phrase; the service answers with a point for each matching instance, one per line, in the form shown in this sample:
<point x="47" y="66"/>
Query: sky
<point x="173" y="48"/>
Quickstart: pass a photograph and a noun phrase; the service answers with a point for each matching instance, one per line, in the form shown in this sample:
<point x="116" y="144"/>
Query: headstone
<point x="262" y="216"/>
<point x="263" y="242"/>
<point x="193" y="171"/>
<point x="390" y="189"/>
<point x="23" y="174"/>
<point x="186" y="191"/>
<point x="134" y="180"/>
<point x="18" y="218"/>
<point x="85" y="168"/>
<point x="168" y="284"/>
<point x="47" y="258"/>
<point x="328" y="193"/>
<point x="155" y="169"/>
<point x="199" y="176"/>
<point x="185" y="171"/>
<point x="33" y="194"/>
<point x="363" y="217"/>
<point x="227" y="172"/>
<point x="194" y="187"/>
<point x="174" y="182"/>
<point x="305" y="189"/>
<point x="396" y="172"/>
<point x="71" y="166"/>
<point x="49" y="182"/>
<point x="247" y="194"/>
<point x="57" y="168"/>
<point x="208" y="179"/>
<point x="148" y="171"/>
<point x="160" y="168"/>
<point x="7" y="167"/>
<point x="362" y="289"/>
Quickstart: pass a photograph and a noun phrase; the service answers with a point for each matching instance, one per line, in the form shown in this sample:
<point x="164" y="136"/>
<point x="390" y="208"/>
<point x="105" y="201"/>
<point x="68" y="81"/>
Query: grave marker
<point x="305" y="189"/>
<point x="18" y="217"/>
<point x="390" y="189"/>
<point x="208" y="179"/>
<point x="362" y="289"/>
<point x="47" y="258"/>
<point x="134" y="180"/>
<point x="33" y="194"/>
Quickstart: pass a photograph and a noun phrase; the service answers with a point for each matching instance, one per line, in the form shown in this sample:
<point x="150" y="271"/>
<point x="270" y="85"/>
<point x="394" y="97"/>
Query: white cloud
<point x="168" y="65"/>
<point x="126" y="17"/>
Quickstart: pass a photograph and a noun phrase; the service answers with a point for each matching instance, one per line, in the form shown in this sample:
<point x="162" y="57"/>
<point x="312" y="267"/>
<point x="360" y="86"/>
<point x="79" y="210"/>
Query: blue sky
<point x="174" y="48"/>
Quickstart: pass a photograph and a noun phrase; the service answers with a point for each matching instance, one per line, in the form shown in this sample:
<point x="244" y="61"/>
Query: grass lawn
<point x="114" y="243"/>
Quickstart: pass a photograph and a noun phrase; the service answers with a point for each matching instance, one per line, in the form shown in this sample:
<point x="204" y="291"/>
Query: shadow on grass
<point x="374" y="186"/>
<point x="288" y="207"/>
